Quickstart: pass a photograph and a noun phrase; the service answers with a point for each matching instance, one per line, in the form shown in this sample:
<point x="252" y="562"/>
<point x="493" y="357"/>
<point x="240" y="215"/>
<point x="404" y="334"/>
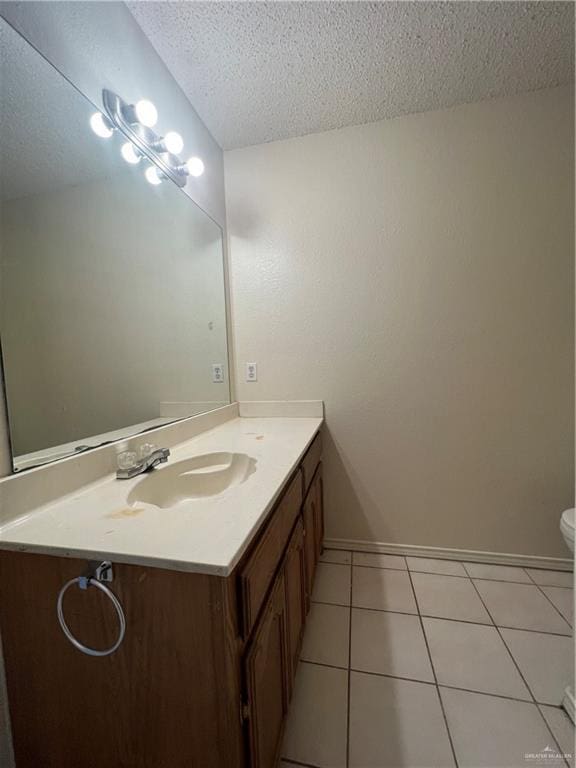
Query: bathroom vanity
<point x="195" y="579"/>
<point x="206" y="669"/>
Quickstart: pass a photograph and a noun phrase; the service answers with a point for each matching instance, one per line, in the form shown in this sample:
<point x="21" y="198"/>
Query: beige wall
<point x="417" y="274"/>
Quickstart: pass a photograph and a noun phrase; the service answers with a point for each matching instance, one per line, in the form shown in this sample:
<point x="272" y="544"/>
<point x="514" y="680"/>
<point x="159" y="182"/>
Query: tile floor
<point x="410" y="662"/>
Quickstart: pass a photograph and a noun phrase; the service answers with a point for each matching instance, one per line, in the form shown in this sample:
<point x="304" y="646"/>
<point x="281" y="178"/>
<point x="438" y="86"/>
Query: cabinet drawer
<point x="311" y="461"/>
<point x="257" y="574"/>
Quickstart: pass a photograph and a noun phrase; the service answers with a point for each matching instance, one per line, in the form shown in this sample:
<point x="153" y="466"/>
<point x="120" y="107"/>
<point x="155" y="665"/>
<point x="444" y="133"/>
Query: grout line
<point x="445" y="618"/>
<point x="466" y="575"/>
<point x="378" y="567"/>
<point x="433" y="671"/>
<point x="383" y="610"/>
<point x="322" y="664"/>
<point x="503" y="641"/>
<point x="547" y="598"/>
<point x="558" y="611"/>
<point x="297" y="762"/>
<point x="520" y="672"/>
<point x="436" y="685"/>
<point x="529" y="702"/>
<point x="324" y="602"/>
<point x="349" y="672"/>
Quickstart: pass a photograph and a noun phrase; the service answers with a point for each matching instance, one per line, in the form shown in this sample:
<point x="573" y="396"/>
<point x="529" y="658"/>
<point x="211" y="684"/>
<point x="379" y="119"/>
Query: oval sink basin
<point x="198" y="477"/>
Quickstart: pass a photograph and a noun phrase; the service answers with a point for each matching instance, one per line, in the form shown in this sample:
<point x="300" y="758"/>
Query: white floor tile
<point x="448" y="597"/>
<point x="327" y="635"/>
<point x="563" y="599"/>
<point x="332" y="584"/>
<point x="497" y="572"/>
<point x="522" y="606"/>
<point x="473" y="656"/>
<point x="562" y="728"/>
<point x="379" y="561"/>
<point x="341" y="556"/>
<point x="316" y="726"/>
<point x="490" y="732"/>
<point x="389" y="644"/>
<point x="382" y="589"/>
<point x="552" y="578"/>
<point x="396" y="724"/>
<point x="430" y="565"/>
<point x="545" y="661"/>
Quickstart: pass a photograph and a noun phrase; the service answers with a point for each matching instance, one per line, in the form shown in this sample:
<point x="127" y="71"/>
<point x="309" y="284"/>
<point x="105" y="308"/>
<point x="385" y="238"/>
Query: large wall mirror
<point x="112" y="300"/>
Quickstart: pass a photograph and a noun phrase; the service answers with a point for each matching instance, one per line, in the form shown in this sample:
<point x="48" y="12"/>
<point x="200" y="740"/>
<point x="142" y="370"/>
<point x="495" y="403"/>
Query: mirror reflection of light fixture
<point x="173" y="142"/>
<point x="101" y="125"/>
<point x="152" y="175"/>
<point x="135" y="122"/>
<point x="143" y="112"/>
<point x="130" y="153"/>
<point x="195" y="166"/>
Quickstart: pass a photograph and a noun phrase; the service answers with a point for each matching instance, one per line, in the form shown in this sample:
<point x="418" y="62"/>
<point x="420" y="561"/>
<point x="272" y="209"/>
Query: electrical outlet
<point x="217" y="373"/>
<point x="251" y="371"/>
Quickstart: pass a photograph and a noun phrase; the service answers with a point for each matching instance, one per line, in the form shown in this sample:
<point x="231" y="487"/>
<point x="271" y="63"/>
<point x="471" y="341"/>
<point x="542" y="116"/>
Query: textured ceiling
<point x="259" y="71"/>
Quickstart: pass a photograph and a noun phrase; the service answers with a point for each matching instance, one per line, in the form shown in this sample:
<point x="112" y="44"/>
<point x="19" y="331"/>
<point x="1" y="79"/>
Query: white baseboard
<point x="445" y="553"/>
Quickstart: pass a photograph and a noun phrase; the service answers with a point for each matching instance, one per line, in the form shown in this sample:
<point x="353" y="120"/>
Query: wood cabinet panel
<point x="267" y="670"/>
<point x="308" y="514"/>
<point x="257" y="574"/>
<point x="295" y="578"/>
<point x="313" y="517"/>
<point x="310" y="462"/>
<point x="196" y="649"/>
<point x="318" y="486"/>
<point x="168" y="698"/>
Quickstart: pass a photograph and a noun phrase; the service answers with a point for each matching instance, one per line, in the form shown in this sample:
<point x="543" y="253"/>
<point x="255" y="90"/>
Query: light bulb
<point x="146" y="113"/>
<point x="195" y="166"/>
<point x="152" y="175"/>
<point x="129" y="153"/>
<point x="101" y="125"/>
<point x="173" y="142"/>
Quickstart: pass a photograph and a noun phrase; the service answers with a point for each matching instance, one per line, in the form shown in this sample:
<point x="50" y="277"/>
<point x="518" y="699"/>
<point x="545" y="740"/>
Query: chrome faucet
<point x="151" y="460"/>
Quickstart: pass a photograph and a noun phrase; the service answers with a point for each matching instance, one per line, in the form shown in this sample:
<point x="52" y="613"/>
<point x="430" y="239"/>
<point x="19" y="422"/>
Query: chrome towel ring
<point x="103" y="571"/>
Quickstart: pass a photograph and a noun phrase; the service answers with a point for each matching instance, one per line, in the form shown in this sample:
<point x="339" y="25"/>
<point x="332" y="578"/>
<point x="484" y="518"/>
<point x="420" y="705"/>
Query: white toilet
<point x="567" y="529"/>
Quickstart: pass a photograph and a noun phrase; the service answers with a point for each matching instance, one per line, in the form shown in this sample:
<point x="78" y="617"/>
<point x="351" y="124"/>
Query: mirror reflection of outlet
<point x="251" y="371"/>
<point x="217" y="373"/>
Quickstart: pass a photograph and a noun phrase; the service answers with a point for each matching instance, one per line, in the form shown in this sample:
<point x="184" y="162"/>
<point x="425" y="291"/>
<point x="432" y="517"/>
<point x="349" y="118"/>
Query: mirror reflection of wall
<point x="112" y="304"/>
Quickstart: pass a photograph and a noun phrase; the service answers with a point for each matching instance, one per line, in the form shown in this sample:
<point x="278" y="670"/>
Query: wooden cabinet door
<point x="295" y="578"/>
<point x="267" y="666"/>
<point x="318" y="488"/>
<point x="308" y="516"/>
<point x="313" y="516"/>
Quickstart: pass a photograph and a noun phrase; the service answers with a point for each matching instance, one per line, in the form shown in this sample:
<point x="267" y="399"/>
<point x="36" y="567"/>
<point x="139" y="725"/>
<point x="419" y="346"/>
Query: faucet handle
<point x="127" y="460"/>
<point x="145" y="450"/>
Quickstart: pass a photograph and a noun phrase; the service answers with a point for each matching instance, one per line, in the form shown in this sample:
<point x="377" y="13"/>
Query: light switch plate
<point x="217" y="373"/>
<point x="251" y="371"/>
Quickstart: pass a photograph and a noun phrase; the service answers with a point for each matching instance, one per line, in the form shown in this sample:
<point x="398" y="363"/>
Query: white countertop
<point x="207" y="535"/>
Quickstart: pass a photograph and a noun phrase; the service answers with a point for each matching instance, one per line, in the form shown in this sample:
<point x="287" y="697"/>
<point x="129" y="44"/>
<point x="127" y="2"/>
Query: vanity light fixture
<point x="152" y="175"/>
<point x="136" y="122"/>
<point x="101" y="125"/>
<point x="195" y="166"/>
<point x="130" y="153"/>
<point x="143" y="112"/>
<point x="173" y="142"/>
